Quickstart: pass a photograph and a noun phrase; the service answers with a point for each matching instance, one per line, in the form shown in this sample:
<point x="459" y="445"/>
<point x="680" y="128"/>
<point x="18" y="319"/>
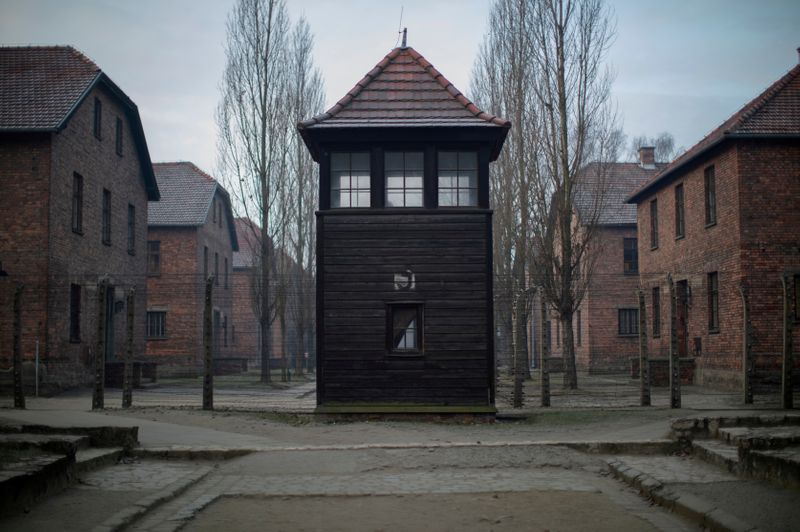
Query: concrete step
<point x="779" y="466"/>
<point x="90" y="459"/>
<point x="760" y="438"/>
<point x="65" y="444"/>
<point x="718" y="453"/>
<point x="709" y="427"/>
<point x="28" y="475"/>
<point x="126" y="437"/>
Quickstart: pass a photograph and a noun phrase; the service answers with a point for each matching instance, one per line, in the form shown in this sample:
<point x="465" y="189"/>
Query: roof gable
<point x="42" y="86"/>
<point x="403" y="89"/>
<point x="773" y="113"/>
<point x="187" y="194"/>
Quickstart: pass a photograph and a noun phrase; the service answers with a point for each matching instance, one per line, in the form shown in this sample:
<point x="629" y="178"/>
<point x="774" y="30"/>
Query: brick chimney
<point x="647" y="157"/>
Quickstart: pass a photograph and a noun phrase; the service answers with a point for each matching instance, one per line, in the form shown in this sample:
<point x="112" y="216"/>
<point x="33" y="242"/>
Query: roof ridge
<point x="188" y="163"/>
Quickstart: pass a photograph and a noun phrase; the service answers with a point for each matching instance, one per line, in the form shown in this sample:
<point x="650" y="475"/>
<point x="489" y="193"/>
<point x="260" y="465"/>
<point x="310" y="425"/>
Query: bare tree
<point x="569" y="41"/>
<point x="664" y="144"/>
<point x="253" y="126"/>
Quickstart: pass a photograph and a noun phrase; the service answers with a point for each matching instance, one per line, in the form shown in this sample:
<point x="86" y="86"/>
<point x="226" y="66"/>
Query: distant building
<point x="605" y="325"/>
<point x="190" y="236"/>
<point x="725" y="215"/>
<point x="404" y="262"/>
<point x="75" y="181"/>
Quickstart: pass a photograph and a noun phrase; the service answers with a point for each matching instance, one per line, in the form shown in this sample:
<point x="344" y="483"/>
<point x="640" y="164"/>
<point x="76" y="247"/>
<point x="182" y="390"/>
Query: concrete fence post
<point x="748" y="364"/>
<point x="19" y="392"/>
<point x="98" y="393"/>
<point x="127" y="384"/>
<point x="208" y="363"/>
<point x="644" y="360"/>
<point x="544" y="373"/>
<point x="674" y="355"/>
<point x="787" y="390"/>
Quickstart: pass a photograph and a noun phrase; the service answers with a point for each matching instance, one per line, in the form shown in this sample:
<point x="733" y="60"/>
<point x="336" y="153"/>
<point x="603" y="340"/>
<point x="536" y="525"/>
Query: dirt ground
<point x="463" y="512"/>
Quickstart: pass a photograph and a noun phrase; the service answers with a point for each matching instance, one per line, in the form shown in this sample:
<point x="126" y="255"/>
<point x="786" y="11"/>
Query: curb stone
<point x="696" y="509"/>
<point x="127" y="516"/>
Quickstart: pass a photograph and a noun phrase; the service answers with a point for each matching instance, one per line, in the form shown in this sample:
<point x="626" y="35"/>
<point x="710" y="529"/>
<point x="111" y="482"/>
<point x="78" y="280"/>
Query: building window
<point x="98" y="118"/>
<point x="350" y="180"/>
<point x="74" y="313"/>
<point x="106" y="217"/>
<point x="713" y="302"/>
<point x="653" y="224"/>
<point x="404" y="172"/>
<point x="131" y="229"/>
<point x="404" y="327"/>
<point x="205" y="263"/>
<point x="216" y="268"/>
<point x="656" y="312"/>
<point x="628" y="321"/>
<point x="119" y="136"/>
<point x="156" y="324"/>
<point x="154" y="257"/>
<point x="578" y="327"/>
<point x="631" y="255"/>
<point x="458" y="179"/>
<point x="679" y="212"/>
<point x="710" y="196"/>
<point x="225" y="331"/>
<point x="226" y="273"/>
<point x="77" y="203"/>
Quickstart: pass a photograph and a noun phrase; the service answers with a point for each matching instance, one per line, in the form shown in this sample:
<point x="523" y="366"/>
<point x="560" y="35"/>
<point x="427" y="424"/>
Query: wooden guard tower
<point x="404" y="244"/>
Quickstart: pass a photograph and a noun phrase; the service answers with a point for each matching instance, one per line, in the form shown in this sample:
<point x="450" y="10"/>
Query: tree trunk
<point x="570" y="369"/>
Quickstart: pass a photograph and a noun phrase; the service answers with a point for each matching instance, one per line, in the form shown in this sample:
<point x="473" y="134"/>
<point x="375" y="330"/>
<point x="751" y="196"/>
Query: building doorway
<point x="682" y="304"/>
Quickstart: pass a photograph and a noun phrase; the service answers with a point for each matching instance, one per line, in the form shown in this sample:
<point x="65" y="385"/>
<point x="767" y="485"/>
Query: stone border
<point x="129" y="515"/>
<point x="701" y="512"/>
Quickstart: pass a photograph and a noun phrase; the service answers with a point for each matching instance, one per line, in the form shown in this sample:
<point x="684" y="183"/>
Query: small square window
<point x="404" y="328"/>
<point x="404" y="172"/>
<point x="350" y="179"/>
<point x="631" y="256"/>
<point x="156" y="324"/>
<point x="628" y="321"/>
<point x="458" y="179"/>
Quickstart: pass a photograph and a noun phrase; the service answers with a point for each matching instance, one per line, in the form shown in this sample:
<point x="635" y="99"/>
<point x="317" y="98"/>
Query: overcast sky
<point x="682" y="66"/>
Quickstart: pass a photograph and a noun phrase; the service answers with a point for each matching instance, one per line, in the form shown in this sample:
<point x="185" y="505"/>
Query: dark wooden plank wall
<point x="449" y="254"/>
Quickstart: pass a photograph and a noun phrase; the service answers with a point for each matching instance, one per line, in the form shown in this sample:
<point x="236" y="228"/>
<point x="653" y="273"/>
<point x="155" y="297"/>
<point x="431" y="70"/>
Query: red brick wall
<point x="83" y="258"/>
<point x="702" y="250"/>
<point x="180" y="291"/>
<point x="24" y="181"/>
<point x="770" y="217"/>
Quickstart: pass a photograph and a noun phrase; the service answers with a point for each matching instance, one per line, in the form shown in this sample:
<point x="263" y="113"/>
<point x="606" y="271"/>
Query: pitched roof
<point x="187" y="193"/>
<point x="404" y="89"/>
<point x="42" y="86"/>
<point x="604" y="187"/>
<point x="773" y="113"/>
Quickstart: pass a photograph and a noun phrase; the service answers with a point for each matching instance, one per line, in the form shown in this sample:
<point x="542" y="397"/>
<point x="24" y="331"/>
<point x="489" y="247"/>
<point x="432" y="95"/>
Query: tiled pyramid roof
<point x="186" y="196"/>
<point x="40" y="85"/>
<point x="773" y="113"/>
<point x="404" y="89"/>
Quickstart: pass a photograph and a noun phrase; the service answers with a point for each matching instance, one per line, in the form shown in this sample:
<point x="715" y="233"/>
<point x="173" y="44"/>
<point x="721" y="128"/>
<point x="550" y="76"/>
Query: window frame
<point x="118" y="137"/>
<point x="159" y="327"/>
<point x="97" y="123"/>
<point x="131" y="229"/>
<point x="390" y="329"/>
<point x="628" y="327"/>
<point x="654" y="223"/>
<point x="405" y="189"/>
<point x="656" y="308"/>
<point x="680" y="211"/>
<point x="712" y="289"/>
<point x="630" y="267"/>
<point x="106" y="217"/>
<point x="75" y="296"/>
<point x="458" y="169"/>
<point x="710" y="195"/>
<point x="336" y="189"/>
<point x="153" y="250"/>
<point x="77" y="203"/>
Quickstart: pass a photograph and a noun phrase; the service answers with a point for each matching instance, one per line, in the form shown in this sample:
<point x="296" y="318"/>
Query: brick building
<point x="76" y="178"/>
<point x="190" y="236"/>
<point x="725" y="214"/>
<point x="606" y="322"/>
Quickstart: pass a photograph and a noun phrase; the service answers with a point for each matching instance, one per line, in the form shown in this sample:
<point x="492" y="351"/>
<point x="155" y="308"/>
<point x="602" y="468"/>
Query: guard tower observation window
<point x="404" y="172"/>
<point x="458" y="179"/>
<point x="404" y="328"/>
<point x="350" y="179"/>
